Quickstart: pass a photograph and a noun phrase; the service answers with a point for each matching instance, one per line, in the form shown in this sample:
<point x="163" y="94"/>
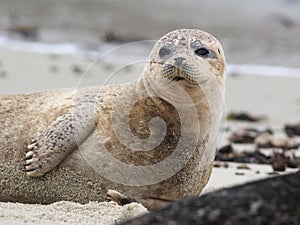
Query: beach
<point x="254" y="94"/>
<point x="263" y="73"/>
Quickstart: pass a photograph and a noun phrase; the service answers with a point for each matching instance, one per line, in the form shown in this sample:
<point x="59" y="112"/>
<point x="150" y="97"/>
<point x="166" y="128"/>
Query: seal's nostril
<point x="179" y="60"/>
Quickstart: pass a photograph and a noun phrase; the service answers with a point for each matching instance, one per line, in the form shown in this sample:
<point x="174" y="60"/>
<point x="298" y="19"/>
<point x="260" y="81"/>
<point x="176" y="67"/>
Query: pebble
<point x="292" y="130"/>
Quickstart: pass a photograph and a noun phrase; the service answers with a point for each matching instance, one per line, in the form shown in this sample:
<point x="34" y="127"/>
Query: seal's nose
<point x="178" y="60"/>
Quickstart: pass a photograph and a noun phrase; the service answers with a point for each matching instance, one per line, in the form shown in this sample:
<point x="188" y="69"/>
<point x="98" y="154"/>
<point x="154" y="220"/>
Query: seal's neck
<point x="180" y="93"/>
<point x="203" y="103"/>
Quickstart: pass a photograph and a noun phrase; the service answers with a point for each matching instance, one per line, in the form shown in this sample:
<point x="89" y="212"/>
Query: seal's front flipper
<point x="60" y="138"/>
<point x="119" y="198"/>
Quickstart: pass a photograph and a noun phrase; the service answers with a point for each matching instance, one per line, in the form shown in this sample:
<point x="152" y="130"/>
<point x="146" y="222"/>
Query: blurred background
<point x="252" y="32"/>
<point x="74" y="43"/>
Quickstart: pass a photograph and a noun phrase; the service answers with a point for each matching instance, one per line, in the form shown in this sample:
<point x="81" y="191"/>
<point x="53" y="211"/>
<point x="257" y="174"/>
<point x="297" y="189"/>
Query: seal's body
<point x="153" y="139"/>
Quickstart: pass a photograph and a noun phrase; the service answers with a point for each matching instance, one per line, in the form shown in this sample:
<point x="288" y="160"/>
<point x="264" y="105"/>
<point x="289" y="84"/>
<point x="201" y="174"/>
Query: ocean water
<point x="263" y="33"/>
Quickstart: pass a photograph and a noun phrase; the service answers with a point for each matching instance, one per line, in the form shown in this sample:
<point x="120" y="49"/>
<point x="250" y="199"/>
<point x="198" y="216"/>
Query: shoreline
<point x="75" y="50"/>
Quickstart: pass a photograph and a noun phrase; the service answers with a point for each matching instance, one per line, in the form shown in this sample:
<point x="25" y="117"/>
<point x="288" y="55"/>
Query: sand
<point x="62" y="213"/>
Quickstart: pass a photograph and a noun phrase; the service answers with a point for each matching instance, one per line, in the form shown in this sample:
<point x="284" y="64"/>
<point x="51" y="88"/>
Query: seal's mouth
<point x="185" y="74"/>
<point x="177" y="78"/>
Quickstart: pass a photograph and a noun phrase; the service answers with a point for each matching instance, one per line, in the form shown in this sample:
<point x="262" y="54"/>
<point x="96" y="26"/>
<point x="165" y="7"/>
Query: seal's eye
<point x="202" y="52"/>
<point x="164" y="51"/>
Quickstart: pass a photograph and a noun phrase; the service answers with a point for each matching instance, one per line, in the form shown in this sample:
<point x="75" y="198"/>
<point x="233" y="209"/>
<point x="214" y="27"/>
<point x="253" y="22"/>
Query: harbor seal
<point x="153" y="139"/>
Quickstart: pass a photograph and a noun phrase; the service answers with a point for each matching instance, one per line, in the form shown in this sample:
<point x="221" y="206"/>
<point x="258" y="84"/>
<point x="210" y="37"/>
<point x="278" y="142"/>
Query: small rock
<point x="270" y="141"/>
<point x="112" y="37"/>
<point x="243" y="136"/>
<point x="26" y="31"/>
<point x="292" y="130"/>
<point x="226" y="149"/>
<point x="239" y="173"/>
<point x="263" y="140"/>
<point x="279" y="162"/>
<point x="243" y="116"/>
<point x="243" y="167"/>
<point x="284" y="143"/>
<point x="273" y="173"/>
<point x="292" y="160"/>
<point x="77" y="69"/>
<point x="244" y="157"/>
<point x="221" y="164"/>
<point x="292" y="164"/>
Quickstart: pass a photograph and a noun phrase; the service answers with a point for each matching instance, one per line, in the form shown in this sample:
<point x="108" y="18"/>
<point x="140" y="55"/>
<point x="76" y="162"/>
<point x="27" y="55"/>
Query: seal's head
<point x="189" y="57"/>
